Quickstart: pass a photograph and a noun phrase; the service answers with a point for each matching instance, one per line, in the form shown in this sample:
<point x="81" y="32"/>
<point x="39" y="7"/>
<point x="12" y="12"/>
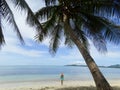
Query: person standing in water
<point x="62" y="78"/>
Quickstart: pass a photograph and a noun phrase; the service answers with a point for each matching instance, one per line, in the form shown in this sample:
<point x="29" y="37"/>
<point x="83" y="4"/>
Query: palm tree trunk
<point x="100" y="81"/>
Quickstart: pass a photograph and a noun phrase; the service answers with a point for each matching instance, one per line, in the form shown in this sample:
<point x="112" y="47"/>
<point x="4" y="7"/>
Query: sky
<point x="35" y="53"/>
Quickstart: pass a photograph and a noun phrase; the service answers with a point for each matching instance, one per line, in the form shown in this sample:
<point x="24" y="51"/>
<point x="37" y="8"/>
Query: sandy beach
<point x="50" y="85"/>
<point x="48" y="78"/>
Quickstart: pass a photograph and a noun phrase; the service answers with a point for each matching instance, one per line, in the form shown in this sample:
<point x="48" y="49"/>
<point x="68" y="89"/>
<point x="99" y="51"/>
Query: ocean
<point x="26" y="73"/>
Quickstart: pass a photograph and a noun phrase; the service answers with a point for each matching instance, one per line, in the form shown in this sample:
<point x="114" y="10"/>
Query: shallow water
<point x="40" y="72"/>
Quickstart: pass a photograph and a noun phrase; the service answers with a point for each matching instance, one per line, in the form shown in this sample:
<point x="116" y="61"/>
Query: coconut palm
<point x="7" y="15"/>
<point x="78" y="21"/>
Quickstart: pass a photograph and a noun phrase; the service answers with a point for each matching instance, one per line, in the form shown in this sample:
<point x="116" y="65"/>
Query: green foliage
<point x="31" y="18"/>
<point x="7" y="14"/>
<point x="90" y="19"/>
<point x="55" y="38"/>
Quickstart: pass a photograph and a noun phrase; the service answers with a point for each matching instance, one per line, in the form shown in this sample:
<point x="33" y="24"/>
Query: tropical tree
<point x="79" y="21"/>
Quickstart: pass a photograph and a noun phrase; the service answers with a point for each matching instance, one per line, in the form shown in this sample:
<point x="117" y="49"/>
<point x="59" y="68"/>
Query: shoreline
<point x="51" y="84"/>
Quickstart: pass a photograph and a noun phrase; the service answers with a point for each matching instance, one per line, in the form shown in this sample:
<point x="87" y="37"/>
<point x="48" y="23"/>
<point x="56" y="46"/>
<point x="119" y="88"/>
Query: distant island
<point x="111" y="66"/>
<point x="114" y="66"/>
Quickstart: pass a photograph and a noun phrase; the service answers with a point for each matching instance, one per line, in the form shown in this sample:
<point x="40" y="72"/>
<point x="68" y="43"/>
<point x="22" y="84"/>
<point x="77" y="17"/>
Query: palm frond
<point x="82" y="37"/>
<point x="47" y="28"/>
<point x="8" y="15"/>
<point x="112" y="35"/>
<point x="46" y="12"/>
<point x="50" y="2"/>
<point x="69" y="42"/>
<point x="2" y="41"/>
<point x="93" y="30"/>
<point x="79" y="32"/>
<point x="97" y="39"/>
<point x="98" y="7"/>
<point x="100" y="43"/>
<point x="76" y="24"/>
<point x="55" y="40"/>
<point x="111" y="31"/>
<point x="48" y="25"/>
<point x="110" y="6"/>
<point x="31" y="18"/>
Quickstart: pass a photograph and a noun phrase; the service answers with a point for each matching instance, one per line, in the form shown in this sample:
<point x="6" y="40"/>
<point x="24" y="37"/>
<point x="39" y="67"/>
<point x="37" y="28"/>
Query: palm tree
<point x="7" y="15"/>
<point x="79" y="21"/>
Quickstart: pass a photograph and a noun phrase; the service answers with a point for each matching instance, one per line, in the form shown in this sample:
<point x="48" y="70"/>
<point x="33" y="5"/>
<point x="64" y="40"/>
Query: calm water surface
<point x="37" y="73"/>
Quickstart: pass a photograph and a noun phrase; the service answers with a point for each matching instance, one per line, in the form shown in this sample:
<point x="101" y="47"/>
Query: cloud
<point x="13" y="46"/>
<point x="23" y="52"/>
<point x="73" y="54"/>
<point x="113" y="54"/>
<point x="28" y="33"/>
<point x="79" y="62"/>
<point x="69" y="55"/>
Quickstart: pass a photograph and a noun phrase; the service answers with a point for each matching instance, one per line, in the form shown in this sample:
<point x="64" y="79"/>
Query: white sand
<point x="49" y="84"/>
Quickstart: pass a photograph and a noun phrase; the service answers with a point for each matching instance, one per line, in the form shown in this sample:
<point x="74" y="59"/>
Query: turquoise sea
<point x="28" y="73"/>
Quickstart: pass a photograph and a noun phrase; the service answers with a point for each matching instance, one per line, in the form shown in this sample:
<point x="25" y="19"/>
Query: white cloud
<point x="13" y="44"/>
<point x="113" y="54"/>
<point x="74" y="55"/>
<point x="79" y="62"/>
<point x="22" y="52"/>
<point x="28" y="33"/>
